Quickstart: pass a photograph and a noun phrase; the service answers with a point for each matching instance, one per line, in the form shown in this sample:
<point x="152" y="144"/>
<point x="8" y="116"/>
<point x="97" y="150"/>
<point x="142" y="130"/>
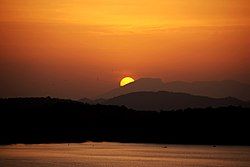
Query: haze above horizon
<point x="72" y="48"/>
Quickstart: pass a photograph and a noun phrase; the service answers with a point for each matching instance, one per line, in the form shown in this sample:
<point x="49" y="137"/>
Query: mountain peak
<point x="216" y="89"/>
<point x="149" y="80"/>
<point x="164" y="100"/>
<point x="142" y="84"/>
<point x="147" y="83"/>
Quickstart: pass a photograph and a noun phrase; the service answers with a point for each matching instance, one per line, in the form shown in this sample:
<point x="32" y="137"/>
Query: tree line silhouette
<point x="51" y="120"/>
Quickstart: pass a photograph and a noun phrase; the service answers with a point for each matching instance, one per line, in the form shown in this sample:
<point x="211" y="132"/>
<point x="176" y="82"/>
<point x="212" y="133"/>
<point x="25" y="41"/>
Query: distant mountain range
<point x="216" y="89"/>
<point x="153" y="94"/>
<point x="162" y="100"/>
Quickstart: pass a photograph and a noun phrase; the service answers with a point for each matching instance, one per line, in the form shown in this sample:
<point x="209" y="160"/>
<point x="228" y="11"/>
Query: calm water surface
<point x="122" y="155"/>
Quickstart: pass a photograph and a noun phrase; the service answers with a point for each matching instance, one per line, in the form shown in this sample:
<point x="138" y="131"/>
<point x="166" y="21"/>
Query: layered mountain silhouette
<point x="143" y="84"/>
<point x="154" y="94"/>
<point x="163" y="100"/>
<point x="216" y="89"/>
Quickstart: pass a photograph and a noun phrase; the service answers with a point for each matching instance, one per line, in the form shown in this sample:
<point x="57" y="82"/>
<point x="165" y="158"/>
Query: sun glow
<point x="126" y="81"/>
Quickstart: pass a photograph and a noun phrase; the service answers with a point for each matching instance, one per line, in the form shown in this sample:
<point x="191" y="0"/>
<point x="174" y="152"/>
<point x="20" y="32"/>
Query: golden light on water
<point x="126" y="81"/>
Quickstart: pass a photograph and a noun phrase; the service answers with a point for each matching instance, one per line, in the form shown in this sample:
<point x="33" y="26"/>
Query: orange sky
<point x="76" y="48"/>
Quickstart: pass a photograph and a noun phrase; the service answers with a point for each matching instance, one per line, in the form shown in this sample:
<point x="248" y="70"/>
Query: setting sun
<point x="106" y="78"/>
<point x="126" y="81"/>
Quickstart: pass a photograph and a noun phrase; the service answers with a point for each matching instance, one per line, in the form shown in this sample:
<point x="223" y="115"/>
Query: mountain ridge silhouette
<point x="215" y="89"/>
<point x="163" y="100"/>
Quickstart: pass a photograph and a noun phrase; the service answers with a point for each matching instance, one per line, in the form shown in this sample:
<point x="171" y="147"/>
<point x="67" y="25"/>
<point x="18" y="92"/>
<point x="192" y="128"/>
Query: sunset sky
<point x="78" y="48"/>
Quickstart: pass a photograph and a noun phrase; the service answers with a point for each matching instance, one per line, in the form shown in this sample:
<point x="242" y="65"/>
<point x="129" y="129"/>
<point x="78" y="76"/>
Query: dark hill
<point x="163" y="100"/>
<point x="142" y="84"/>
<point x="49" y="120"/>
<point x="216" y="89"/>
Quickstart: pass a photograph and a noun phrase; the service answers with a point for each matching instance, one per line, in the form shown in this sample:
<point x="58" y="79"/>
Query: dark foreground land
<point x="47" y="120"/>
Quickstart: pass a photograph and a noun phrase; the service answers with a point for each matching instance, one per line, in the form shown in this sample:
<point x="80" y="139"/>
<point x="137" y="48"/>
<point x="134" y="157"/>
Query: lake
<point x="105" y="154"/>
